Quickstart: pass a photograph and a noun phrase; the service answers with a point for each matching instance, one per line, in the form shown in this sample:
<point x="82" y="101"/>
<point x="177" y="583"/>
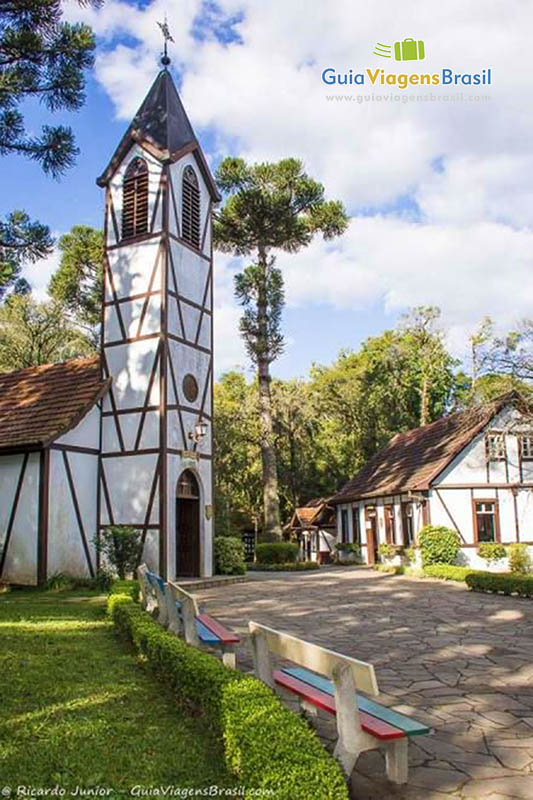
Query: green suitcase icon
<point x="409" y="50"/>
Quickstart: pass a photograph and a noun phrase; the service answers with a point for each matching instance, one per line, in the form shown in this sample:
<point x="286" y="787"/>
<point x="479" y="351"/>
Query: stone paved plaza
<point x="458" y="661"/>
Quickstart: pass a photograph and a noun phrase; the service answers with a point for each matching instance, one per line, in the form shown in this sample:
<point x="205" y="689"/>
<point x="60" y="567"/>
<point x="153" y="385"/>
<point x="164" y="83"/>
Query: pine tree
<point x="269" y="207"/>
<point x="44" y="58"/>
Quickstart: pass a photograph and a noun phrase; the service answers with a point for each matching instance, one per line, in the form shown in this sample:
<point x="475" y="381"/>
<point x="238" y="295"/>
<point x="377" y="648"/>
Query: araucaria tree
<point x="269" y="207"/>
<point x="42" y="58"/>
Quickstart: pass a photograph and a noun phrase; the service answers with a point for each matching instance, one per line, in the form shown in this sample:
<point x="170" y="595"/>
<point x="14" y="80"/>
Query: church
<point x="125" y="438"/>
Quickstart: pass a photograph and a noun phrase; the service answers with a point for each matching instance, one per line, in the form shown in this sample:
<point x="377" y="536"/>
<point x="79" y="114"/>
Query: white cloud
<point x="470" y="249"/>
<point x="38" y="275"/>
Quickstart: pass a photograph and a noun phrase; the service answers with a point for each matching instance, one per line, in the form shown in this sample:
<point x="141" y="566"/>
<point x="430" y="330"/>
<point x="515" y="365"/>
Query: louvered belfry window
<point x="135" y="199"/>
<point x="190" y="211"/>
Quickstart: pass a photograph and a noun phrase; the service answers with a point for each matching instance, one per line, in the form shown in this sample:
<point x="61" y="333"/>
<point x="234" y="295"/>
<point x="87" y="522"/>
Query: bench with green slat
<point x="409" y="726"/>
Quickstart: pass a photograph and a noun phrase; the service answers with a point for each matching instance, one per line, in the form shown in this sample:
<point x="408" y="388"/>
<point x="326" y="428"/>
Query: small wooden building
<point x="471" y="471"/>
<point x="314" y="527"/>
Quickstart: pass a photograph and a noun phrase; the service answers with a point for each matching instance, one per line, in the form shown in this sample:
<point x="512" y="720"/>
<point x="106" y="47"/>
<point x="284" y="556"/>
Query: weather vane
<point x="165" y="60"/>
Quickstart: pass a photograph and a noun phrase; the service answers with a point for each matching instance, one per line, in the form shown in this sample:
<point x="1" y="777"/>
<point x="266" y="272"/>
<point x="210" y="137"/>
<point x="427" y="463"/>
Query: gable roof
<point x="412" y="460"/>
<point x="40" y="404"/>
<point x="162" y="123"/>
<point x="310" y="514"/>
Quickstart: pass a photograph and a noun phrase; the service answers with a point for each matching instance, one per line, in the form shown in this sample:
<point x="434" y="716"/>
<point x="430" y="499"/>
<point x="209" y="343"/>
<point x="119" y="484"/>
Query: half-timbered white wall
<point x="190" y="307"/>
<point x="19" y="517"/>
<point x="157" y="329"/>
<point x="469" y="477"/>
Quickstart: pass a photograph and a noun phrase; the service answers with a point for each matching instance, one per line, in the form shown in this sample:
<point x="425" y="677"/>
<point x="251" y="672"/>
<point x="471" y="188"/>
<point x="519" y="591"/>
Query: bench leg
<point x="228" y="658"/>
<point x="396" y="760"/>
<point x="309" y="708"/>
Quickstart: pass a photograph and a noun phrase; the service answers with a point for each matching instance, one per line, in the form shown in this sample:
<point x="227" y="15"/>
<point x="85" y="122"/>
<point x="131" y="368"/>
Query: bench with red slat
<point x="225" y="636"/>
<point x="378" y="728"/>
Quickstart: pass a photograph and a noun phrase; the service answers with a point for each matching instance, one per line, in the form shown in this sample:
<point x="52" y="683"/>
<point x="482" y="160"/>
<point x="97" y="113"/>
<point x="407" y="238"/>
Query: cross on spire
<point x="167" y="37"/>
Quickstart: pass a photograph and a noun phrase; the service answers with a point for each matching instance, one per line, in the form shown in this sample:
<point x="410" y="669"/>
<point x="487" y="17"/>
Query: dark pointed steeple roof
<point x="162" y="126"/>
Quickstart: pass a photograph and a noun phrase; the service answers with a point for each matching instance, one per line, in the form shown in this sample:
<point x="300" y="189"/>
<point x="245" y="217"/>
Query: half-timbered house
<point x="125" y="438"/>
<point x="471" y="471"/>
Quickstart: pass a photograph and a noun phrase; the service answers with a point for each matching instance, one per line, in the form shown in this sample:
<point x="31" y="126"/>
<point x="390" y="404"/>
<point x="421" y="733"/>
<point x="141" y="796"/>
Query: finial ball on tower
<point x="165" y="60"/>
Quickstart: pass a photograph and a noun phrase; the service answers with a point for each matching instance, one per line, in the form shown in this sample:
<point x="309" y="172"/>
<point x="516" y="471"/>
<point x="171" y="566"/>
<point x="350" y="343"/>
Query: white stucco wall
<point x="66" y="552"/>
<point x="21" y="559"/>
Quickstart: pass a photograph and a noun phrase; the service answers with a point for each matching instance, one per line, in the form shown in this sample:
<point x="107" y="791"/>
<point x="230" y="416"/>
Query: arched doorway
<point x="188" y="525"/>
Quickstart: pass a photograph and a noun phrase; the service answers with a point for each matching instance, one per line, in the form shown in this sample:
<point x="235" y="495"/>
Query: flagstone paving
<point x="458" y="661"/>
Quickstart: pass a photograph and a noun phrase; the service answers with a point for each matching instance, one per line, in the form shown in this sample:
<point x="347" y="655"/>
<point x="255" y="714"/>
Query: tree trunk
<point x="424" y="401"/>
<point x="272" y="525"/>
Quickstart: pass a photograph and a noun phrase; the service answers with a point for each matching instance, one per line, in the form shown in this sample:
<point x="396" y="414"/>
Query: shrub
<point x="438" y="545"/>
<point x="229" y="555"/>
<point x="130" y="588"/>
<point x="386" y="550"/>
<point x="447" y="572"/>
<point x="276" y="552"/>
<point x="519" y="558"/>
<point x="410" y="554"/>
<point x="291" y="566"/>
<point x="122" y="546"/>
<point x="265" y="744"/>
<point x="346" y="549"/>
<point x="394" y="569"/>
<point x="491" y="551"/>
<point x="504" y="582"/>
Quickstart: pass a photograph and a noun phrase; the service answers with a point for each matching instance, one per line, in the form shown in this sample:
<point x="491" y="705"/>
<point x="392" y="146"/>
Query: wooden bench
<point x="186" y="619"/>
<point x="178" y="610"/>
<point x="330" y="681"/>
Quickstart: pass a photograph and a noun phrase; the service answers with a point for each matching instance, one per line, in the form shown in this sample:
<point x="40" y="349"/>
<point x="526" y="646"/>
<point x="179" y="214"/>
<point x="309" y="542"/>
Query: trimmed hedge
<point x="393" y="569"/>
<point x="265" y="744"/>
<point x="505" y="583"/>
<point x="296" y="566"/>
<point x="276" y="552"/>
<point x="130" y="588"/>
<point x="447" y="572"/>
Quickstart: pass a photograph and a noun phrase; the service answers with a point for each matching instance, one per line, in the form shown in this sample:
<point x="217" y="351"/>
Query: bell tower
<point x="157" y="337"/>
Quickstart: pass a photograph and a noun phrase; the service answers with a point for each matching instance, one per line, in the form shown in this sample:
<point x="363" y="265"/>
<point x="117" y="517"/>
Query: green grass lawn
<point x="77" y="707"/>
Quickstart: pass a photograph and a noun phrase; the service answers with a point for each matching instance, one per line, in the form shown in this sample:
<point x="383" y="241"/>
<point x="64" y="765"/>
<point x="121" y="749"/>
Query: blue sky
<point x="439" y="193"/>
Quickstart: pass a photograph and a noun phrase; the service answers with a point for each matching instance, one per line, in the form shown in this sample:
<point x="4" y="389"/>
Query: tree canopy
<point x="269" y="207"/>
<point x="42" y="57"/>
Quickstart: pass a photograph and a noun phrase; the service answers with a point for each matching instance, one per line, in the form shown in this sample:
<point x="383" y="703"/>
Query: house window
<point x="344" y="525"/>
<point x="495" y="447"/>
<point x="190" y="210"/>
<point x="408" y="524"/>
<point x="486" y="527"/>
<point x="526" y="447"/>
<point x="389" y="524"/>
<point x="135" y="199"/>
<point x="356" y="525"/>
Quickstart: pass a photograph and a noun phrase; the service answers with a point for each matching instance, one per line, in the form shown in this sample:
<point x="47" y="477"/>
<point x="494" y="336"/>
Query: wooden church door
<point x="188" y="526"/>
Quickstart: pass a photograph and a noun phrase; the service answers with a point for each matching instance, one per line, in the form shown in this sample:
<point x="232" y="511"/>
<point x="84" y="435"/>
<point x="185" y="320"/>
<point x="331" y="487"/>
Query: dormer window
<point x="135" y="199"/>
<point x="190" y="208"/>
<point x="495" y="446"/>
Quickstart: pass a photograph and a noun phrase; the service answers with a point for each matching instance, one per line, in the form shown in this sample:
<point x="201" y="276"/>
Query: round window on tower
<point x="190" y="388"/>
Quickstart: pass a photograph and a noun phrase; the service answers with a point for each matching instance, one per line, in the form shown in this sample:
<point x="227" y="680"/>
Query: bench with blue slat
<point x="410" y="727"/>
<point x="155" y="579"/>
<point x="212" y="632"/>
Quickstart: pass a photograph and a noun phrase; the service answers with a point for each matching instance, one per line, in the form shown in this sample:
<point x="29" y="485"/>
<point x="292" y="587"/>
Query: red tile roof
<point x="412" y="460"/>
<point x="39" y="404"/>
<point x="314" y="513"/>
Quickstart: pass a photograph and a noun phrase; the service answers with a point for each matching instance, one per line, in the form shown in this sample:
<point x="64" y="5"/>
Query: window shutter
<point x="190" y="208"/>
<point x="135" y="199"/>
